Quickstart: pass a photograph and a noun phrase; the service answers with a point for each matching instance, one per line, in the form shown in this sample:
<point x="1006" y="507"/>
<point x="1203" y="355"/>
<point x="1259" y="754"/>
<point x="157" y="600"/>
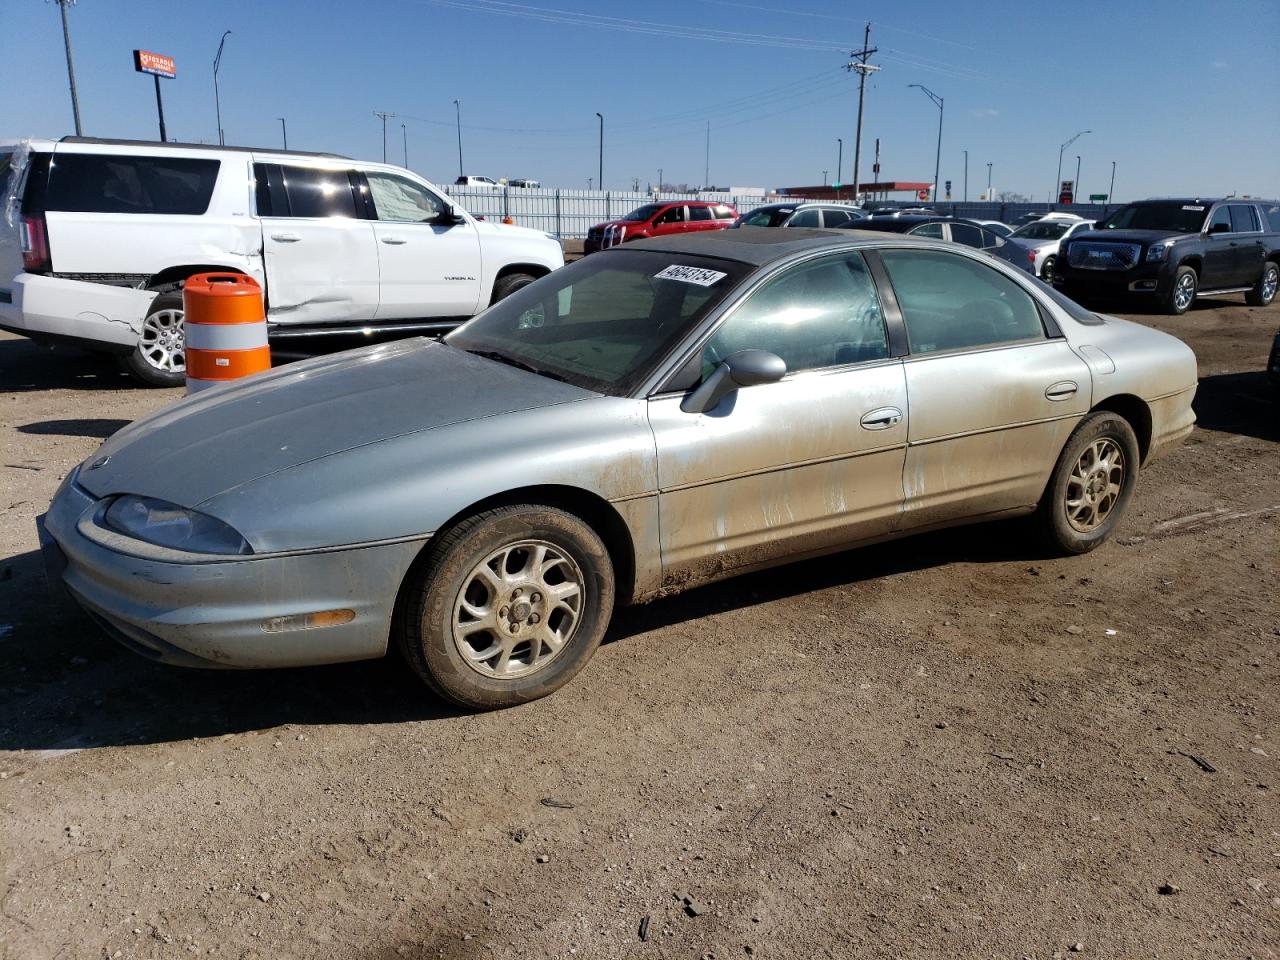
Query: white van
<point x="98" y="237"/>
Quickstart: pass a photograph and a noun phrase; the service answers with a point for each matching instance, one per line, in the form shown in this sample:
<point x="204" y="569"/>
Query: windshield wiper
<point x="518" y="364"/>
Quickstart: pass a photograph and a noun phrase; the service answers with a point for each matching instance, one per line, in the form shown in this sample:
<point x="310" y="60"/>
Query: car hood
<point x="219" y="439"/>
<point x="1132" y="236"/>
<point x="629" y="224"/>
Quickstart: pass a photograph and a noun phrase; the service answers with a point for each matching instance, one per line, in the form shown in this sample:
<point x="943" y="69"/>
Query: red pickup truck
<point x="659" y="220"/>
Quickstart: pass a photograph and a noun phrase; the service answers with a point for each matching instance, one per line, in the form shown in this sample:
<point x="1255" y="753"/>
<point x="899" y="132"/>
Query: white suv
<point x="97" y="238"/>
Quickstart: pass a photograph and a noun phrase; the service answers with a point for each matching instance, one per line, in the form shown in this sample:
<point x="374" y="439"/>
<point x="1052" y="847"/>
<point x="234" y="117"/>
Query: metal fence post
<point x="559" y="229"/>
<point x="607" y="211"/>
<point x="506" y="202"/>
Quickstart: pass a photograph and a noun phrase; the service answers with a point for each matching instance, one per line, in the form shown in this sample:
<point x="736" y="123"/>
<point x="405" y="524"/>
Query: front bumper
<point x="212" y="614"/>
<point x="56" y="309"/>
<point x="1144" y="280"/>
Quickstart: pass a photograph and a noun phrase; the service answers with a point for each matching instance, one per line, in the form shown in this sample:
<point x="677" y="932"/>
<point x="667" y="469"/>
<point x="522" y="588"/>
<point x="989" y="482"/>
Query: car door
<point x="320" y="256"/>
<point x="669" y="221"/>
<point x="701" y="218"/>
<point x="425" y="268"/>
<point x="801" y="465"/>
<point x="1247" y="249"/>
<point x="994" y="388"/>
<point x="1220" y="267"/>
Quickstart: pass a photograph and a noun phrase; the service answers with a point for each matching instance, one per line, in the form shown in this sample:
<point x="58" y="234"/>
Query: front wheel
<point x="1091" y="484"/>
<point x="1046" y="271"/>
<point x="1264" y="291"/>
<point x="159" y="359"/>
<point x="508" y="606"/>
<point x="510" y="284"/>
<point x="1183" y="292"/>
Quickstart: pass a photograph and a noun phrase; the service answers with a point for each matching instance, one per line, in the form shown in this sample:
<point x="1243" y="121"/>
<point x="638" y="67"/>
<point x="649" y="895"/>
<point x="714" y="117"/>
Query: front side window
<point x="107" y="183"/>
<point x="952" y="302"/>
<point x="767" y="216"/>
<point x="816" y="315"/>
<point x="315" y="192"/>
<point x="1243" y="218"/>
<point x="401" y="200"/>
<point x="933" y="230"/>
<point x="1221" y="221"/>
<point x="1042" y="230"/>
<point x="603" y="322"/>
<point x="673" y="215"/>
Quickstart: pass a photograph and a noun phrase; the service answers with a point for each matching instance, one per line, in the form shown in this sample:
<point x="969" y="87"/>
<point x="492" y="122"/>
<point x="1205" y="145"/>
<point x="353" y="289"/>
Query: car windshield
<point x="1173" y="217"/>
<point x="1041" y="230"/>
<point x="604" y="322"/>
<point x="767" y="216"/>
<point x="645" y="212"/>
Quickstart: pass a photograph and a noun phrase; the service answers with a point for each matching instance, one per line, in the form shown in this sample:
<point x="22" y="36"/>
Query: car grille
<point x="1096" y="255"/>
<point x="614" y="234"/>
<point x="593" y="233"/>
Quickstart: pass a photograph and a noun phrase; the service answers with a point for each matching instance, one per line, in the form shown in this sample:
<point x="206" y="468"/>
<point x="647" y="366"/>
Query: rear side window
<point x="928" y="230"/>
<point x="833" y="217"/>
<point x="1271" y="212"/>
<point x="724" y="212"/>
<point x="314" y="192"/>
<point x="700" y="213"/>
<point x="966" y="234"/>
<point x="104" y="183"/>
<point x="805" y="218"/>
<point x="951" y="302"/>
<point x="1243" y="219"/>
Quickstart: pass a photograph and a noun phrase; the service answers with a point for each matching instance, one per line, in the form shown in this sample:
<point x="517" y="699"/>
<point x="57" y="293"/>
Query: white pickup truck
<point x="98" y="237"/>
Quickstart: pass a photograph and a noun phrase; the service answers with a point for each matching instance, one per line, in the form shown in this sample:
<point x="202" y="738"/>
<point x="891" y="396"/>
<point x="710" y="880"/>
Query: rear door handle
<point x="881" y="419"/>
<point x="394" y="241"/>
<point x="286" y="237"/>
<point x="1062" y="390"/>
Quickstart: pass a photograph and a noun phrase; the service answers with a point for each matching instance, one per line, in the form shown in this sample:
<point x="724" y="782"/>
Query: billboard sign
<point x="156" y="64"/>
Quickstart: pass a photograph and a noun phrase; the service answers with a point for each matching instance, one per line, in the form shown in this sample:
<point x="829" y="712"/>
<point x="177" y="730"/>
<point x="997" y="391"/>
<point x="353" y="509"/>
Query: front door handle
<point x="881" y="419"/>
<point x="394" y="241"/>
<point x="286" y="237"/>
<point x="1062" y="390"/>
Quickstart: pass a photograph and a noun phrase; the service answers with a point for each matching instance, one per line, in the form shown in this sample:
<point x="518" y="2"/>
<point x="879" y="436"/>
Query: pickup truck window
<point x="1171" y="217"/>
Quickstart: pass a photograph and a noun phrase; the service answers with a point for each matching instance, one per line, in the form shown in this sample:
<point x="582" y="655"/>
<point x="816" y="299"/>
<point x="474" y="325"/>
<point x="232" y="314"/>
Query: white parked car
<point x="97" y="238"/>
<point x="480" y="183"/>
<point x="1043" y="237"/>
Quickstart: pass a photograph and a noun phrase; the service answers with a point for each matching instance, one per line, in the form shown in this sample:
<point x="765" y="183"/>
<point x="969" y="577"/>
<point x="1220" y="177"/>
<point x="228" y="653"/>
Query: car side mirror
<point x="1220" y="228"/>
<point x="746" y="368"/>
<point x="448" y="216"/>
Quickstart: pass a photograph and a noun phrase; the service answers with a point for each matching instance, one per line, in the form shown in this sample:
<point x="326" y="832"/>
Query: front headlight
<point x="1158" y="251"/>
<point x="169" y="525"/>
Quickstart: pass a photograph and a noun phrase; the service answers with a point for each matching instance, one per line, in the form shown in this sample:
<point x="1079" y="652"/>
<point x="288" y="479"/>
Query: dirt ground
<point x="952" y="746"/>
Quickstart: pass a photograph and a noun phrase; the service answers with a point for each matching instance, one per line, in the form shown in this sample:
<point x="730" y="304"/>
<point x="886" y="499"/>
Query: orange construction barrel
<point x="225" y="329"/>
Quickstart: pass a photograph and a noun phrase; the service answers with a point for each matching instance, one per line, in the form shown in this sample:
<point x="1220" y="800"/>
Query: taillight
<point x="35" y="245"/>
<point x="1031" y="255"/>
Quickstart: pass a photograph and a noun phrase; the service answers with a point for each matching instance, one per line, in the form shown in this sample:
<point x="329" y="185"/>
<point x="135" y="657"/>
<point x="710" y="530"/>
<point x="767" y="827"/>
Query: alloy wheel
<point x="1185" y="291"/>
<point x="1095" y="484"/>
<point x="161" y="343"/>
<point x="1270" y="280"/>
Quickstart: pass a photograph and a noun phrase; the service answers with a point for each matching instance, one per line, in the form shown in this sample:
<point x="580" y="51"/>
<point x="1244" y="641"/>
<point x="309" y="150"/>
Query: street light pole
<point x="284" y="132"/>
<point x="937" y="163"/>
<point x="404" y="132"/>
<point x="659" y="179"/>
<point x="457" y="106"/>
<point x="989" y="197"/>
<point x="71" y="70"/>
<point x="966" y="176"/>
<point x="1075" y="187"/>
<point x="706" y="169"/>
<point x="217" y="100"/>
<point x="824" y="178"/>
<point x="840" y="158"/>
<point x="1111" y="193"/>
<point x="600" y="169"/>
<point x="1057" y="184"/>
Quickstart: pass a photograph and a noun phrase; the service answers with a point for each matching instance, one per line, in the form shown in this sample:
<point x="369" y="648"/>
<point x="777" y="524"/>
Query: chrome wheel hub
<point x="1270" y="280"/>
<point x="1185" y="292"/>
<point x="162" y="343"/>
<point x="1093" y="489"/>
<point x="517" y="609"/>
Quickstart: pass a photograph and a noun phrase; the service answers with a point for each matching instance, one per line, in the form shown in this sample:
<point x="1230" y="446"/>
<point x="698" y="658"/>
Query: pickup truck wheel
<point x="1183" y="291"/>
<point x="1264" y="291"/>
<point x="159" y="359"/>
<point x="510" y="284"/>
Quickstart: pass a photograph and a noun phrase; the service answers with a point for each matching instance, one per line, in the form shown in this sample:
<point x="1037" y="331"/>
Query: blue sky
<point x="1181" y="95"/>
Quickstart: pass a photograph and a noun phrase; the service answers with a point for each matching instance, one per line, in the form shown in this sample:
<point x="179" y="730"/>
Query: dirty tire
<point x="431" y="597"/>
<point x="1055" y="527"/>
<point x="1176" y="300"/>
<point x="136" y="362"/>
<point x="1264" y="291"/>
<point x="510" y="284"/>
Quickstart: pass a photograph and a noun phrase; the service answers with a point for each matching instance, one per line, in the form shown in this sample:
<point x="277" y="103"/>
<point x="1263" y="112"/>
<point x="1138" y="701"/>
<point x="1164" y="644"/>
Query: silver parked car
<point x="1044" y="237"/>
<point x="671" y="412"/>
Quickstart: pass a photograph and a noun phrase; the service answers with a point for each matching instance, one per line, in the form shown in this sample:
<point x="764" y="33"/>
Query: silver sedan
<point x="674" y="411"/>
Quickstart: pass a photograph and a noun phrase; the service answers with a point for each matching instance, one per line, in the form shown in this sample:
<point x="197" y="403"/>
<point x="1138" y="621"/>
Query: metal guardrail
<point x="568" y="214"/>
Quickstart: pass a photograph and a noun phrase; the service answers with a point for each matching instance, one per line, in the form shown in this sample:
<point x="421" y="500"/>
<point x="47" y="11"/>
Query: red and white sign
<point x="144" y="61"/>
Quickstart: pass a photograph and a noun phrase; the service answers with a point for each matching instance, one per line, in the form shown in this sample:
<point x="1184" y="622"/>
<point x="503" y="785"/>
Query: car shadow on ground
<point x="100" y="429"/>
<point x="1247" y="404"/>
<point x="65" y="686"/>
<point x="26" y="366"/>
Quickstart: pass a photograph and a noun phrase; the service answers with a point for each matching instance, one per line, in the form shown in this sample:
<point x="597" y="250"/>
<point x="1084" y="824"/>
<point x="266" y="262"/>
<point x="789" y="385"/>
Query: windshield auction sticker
<point x="699" y="275"/>
<point x="1189" y="207"/>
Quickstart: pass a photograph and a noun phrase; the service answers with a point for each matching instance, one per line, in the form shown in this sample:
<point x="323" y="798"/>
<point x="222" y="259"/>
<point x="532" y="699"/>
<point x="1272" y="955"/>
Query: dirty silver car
<point x="671" y="412"/>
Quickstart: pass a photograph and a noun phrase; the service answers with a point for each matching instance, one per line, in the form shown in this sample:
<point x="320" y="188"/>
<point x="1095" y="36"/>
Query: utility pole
<point x="404" y="132"/>
<point x="383" y="114"/>
<point x="937" y="163"/>
<point x="824" y="178"/>
<point x="1111" y="193"/>
<point x="706" y="170"/>
<point x="1075" y="187"/>
<point x="840" y="159"/>
<point x="659" y="179"/>
<point x="457" y="106"/>
<point x="1057" y="184"/>
<point x="600" y="169"/>
<point x="71" y="70"/>
<point x="966" y="176"/>
<point x="875" y="169"/>
<point x="217" y="100"/>
<point x="989" y="196"/>
<point x="862" y="68"/>
<point x="284" y="132"/>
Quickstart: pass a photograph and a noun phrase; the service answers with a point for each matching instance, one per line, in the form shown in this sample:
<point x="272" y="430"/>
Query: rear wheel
<point x="159" y="359"/>
<point x="510" y="284"/>
<point x="508" y="607"/>
<point x="1091" y="484"/>
<point x="1046" y="271"/>
<point x="1264" y="291"/>
<point x="1183" y="291"/>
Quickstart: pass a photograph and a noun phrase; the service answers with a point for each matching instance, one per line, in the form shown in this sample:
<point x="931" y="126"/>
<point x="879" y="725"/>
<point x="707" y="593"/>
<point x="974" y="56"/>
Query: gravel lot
<point x="936" y="748"/>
